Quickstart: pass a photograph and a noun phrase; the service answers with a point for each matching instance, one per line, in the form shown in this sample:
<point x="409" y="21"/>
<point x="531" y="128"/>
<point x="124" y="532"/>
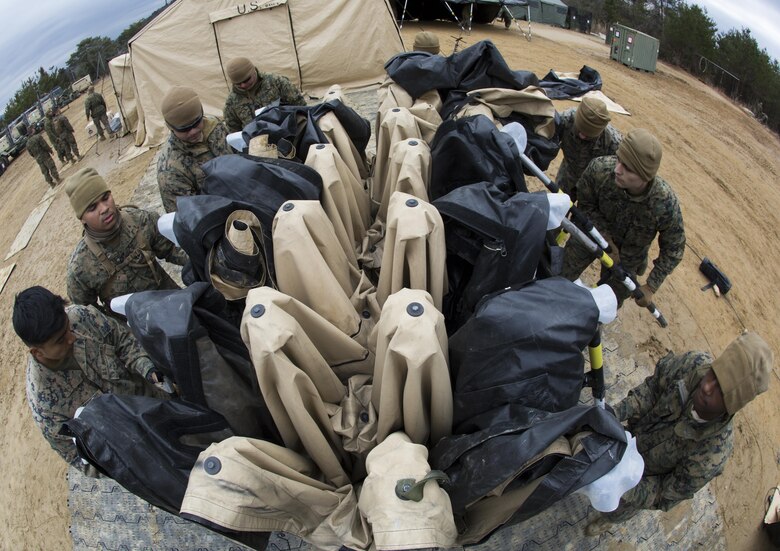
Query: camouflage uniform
<point x="106" y="358"/>
<point x="577" y="153"/>
<point x="95" y="108"/>
<point x="632" y="222"/>
<point x="681" y="454"/>
<point x="178" y="168"/>
<point x="240" y="105"/>
<point x="38" y="148"/>
<point x="66" y="135"/>
<point x="131" y="259"/>
<point x="56" y="142"/>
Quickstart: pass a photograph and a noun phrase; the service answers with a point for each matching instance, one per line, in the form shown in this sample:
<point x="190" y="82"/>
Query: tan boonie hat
<point x="181" y="107"/>
<point x="426" y="42"/>
<point x="83" y="188"/>
<point x="743" y="370"/>
<point x="239" y="69"/>
<point x="591" y="117"/>
<point x="236" y="263"/>
<point x="641" y="152"/>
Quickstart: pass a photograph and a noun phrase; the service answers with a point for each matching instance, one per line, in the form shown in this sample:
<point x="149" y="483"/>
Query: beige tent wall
<point x="315" y="43"/>
<point x="124" y="90"/>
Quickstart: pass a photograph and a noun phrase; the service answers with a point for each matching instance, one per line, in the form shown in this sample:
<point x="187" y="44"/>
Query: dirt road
<point x="723" y="165"/>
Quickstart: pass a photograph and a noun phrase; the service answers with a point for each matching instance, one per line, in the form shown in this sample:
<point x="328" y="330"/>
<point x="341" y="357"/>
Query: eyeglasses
<point x="190" y="126"/>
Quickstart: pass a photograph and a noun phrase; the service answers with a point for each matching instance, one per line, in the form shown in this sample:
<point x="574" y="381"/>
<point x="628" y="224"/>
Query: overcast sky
<point x="43" y="33"/>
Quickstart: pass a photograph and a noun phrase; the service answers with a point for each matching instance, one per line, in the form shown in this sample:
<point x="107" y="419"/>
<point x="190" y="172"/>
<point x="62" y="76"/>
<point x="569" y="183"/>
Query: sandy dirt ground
<point x="723" y="165"/>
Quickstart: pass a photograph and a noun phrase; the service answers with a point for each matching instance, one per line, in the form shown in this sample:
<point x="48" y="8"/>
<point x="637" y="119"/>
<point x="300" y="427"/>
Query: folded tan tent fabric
<point x="302" y="362"/>
<point x="404" y="524"/>
<point x="344" y="199"/>
<point x="412" y="390"/>
<point x="502" y="102"/>
<point x="414" y="250"/>
<point x="408" y="171"/>
<point x="334" y="131"/>
<point x="248" y="485"/>
<point x="425" y="108"/>
<point x="311" y="266"/>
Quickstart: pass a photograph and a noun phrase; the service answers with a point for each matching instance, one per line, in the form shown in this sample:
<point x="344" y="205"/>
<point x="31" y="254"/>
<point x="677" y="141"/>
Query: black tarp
<point x="478" y="66"/>
<point x="264" y="182"/>
<point x="523" y="346"/>
<point x="184" y="334"/>
<point x="147" y="445"/>
<point x="498" y="445"/>
<point x="494" y="240"/>
<point x="298" y="125"/>
<point x="559" y="88"/>
<point x="471" y="150"/>
<point x="200" y="223"/>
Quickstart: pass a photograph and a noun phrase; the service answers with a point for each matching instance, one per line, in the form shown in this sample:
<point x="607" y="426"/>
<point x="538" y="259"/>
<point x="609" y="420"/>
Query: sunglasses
<point x="190" y="126"/>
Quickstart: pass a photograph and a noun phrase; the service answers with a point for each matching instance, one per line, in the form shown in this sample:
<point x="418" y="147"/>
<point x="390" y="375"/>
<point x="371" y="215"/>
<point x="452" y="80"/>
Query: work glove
<point x="614" y="252"/>
<point x="648" y="296"/>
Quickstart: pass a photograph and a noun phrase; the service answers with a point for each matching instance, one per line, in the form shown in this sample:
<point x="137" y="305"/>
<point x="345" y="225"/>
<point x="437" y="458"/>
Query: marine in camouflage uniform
<point x="41" y="152"/>
<point x="681" y="455"/>
<point x="95" y="109"/>
<point x="631" y="222"/>
<point x="126" y="264"/>
<point x="578" y="152"/>
<point x="179" y="169"/>
<point x="241" y="103"/>
<point x="682" y="418"/>
<point x="56" y="142"/>
<point x="105" y="358"/>
<point x="67" y="137"/>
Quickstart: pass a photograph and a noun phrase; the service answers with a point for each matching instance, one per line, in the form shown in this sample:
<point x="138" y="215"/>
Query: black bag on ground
<point x="147" y="445"/>
<point x="523" y="346"/>
<point x="558" y="88"/>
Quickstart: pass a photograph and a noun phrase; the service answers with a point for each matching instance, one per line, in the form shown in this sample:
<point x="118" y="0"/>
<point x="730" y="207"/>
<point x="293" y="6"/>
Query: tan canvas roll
<point x="528" y="101"/>
<point x="408" y="171"/>
<point x="344" y="199"/>
<point x="335" y="133"/>
<point x="414" y="250"/>
<point x="405" y="524"/>
<point x="412" y="390"/>
<point x="397" y="124"/>
<point x="301" y="361"/>
<point x="248" y="485"/>
<point x="311" y="266"/>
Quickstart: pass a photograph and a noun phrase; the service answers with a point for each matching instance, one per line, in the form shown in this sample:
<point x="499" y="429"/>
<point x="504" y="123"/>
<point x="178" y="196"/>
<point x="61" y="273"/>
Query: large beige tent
<point x="314" y="43"/>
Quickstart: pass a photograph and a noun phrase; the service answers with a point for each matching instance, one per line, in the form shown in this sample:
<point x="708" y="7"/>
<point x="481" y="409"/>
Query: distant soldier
<point x="116" y="254"/>
<point x="76" y="353"/>
<point x="253" y="90"/>
<point x="95" y="108"/>
<point x="195" y="138"/>
<point x="66" y="135"/>
<point x="630" y="206"/>
<point x="40" y="150"/>
<point x="584" y="133"/>
<point x="426" y="41"/>
<point x="54" y="139"/>
<point x="682" y="417"/>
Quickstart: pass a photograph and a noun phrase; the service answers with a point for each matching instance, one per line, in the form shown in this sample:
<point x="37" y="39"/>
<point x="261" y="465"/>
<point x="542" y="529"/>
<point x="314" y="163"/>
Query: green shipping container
<point x="633" y="48"/>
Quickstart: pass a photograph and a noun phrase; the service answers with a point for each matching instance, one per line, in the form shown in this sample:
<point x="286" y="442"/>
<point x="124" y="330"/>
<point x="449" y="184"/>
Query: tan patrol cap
<point x="743" y="370"/>
<point x="181" y="107"/>
<point x="426" y="42"/>
<point x="239" y="69"/>
<point x="591" y="117"/>
<point x="641" y="152"/>
<point x="83" y="188"/>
